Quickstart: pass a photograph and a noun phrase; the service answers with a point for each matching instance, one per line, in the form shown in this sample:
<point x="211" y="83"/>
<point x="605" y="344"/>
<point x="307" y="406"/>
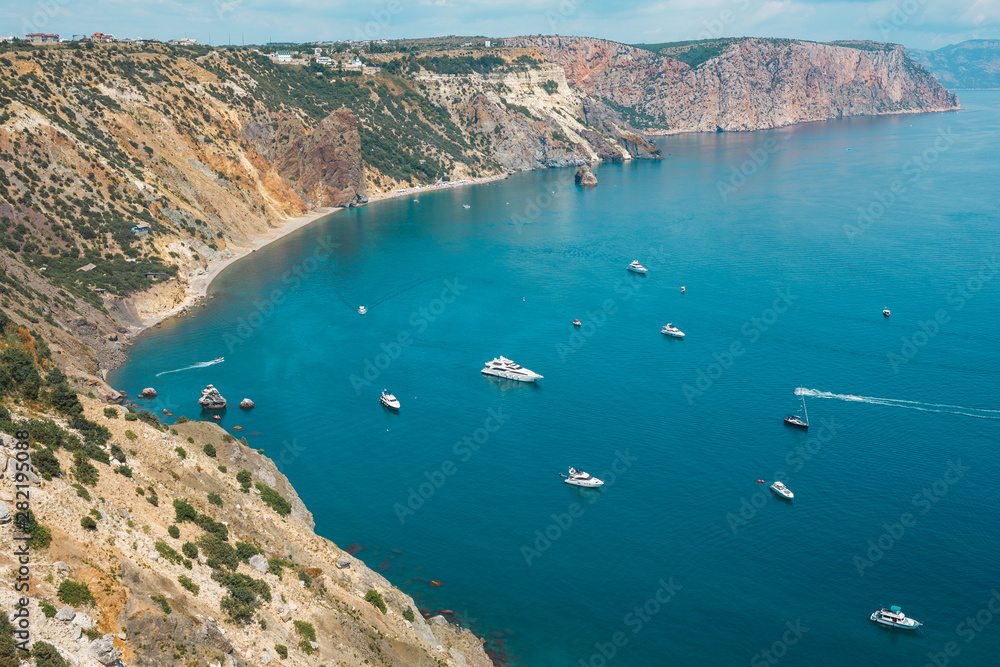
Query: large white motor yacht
<point x="637" y="267"/>
<point x="580" y="478"/>
<point x="362" y="310"/>
<point x="505" y="368"/>
<point x="388" y="400"/>
<point x="894" y="617"/>
<point x="782" y="490"/>
<point x="671" y="330"/>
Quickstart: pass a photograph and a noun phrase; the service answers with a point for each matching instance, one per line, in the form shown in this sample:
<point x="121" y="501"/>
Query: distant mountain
<point x="971" y="64"/>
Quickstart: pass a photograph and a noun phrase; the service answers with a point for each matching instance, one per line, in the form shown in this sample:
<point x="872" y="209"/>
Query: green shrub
<point x="210" y="450"/>
<point x="139" y="491"/>
<point x="215" y="499"/>
<point x="274" y="499"/>
<point x="82" y="492"/>
<point x="246" y="551"/>
<point x="111" y="413"/>
<point x="183" y="511"/>
<point x="40" y="536"/>
<point x="130" y="435"/>
<point x="281" y="650"/>
<point x="190" y="550"/>
<point x="88" y="523"/>
<point x="84" y="470"/>
<point x="92" y="633"/>
<point x="173" y="531"/>
<point x="223" y="469"/>
<point x="9" y="655"/>
<point x="124" y="470"/>
<point x="162" y="601"/>
<point x="130" y="417"/>
<point x="408" y="614"/>
<point x="180" y="452"/>
<point x="375" y="598"/>
<point x="168" y="553"/>
<point x="188" y="584"/>
<point x="75" y="594"/>
<point x="244" y="597"/>
<point x="275" y="566"/>
<point x="46" y="463"/>
<point x="117" y="453"/>
<point x="245" y="480"/>
<point x="308" y="634"/>
<point x="182" y="420"/>
<point x="153" y="500"/>
<point x="46" y="655"/>
<point x="218" y="553"/>
<point x="47" y="609"/>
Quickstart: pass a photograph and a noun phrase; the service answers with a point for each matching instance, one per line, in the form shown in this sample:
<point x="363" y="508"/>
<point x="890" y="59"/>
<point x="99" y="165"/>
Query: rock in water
<point x="103" y="650"/>
<point x="585" y="177"/>
<point x="211" y="399"/>
<point x="246" y="404"/>
<point x="149" y="392"/>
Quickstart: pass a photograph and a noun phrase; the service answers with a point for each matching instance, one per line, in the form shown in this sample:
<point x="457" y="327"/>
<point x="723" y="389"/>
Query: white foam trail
<point x="200" y="364"/>
<point x="978" y="413"/>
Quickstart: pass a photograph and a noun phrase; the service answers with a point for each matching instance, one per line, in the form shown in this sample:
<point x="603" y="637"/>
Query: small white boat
<point x="388" y="400"/>
<point x="671" y="330"/>
<point x="894" y="617"/>
<point x="782" y="490"/>
<point x="362" y="310"/>
<point x="580" y="478"/>
<point x="886" y="312"/>
<point x="682" y="289"/>
<point x="636" y="267"/>
<point x="466" y="206"/>
<point x="505" y="368"/>
<point x="219" y="360"/>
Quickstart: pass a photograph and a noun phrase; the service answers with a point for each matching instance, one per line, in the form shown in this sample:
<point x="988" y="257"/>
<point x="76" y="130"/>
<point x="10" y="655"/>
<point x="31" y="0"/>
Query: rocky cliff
<point x="971" y="64"/>
<point x="751" y="84"/>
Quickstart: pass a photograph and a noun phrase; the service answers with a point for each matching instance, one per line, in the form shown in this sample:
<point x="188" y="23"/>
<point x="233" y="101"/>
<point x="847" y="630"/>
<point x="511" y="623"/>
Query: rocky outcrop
<point x="324" y="164"/>
<point x="247" y="404"/>
<point x="974" y="63"/>
<point x="585" y="177"/>
<point x="211" y="399"/>
<point x="149" y="392"/>
<point x="753" y="84"/>
<point x="103" y="650"/>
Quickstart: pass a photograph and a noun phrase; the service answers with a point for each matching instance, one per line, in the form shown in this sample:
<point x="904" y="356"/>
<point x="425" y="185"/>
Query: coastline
<point x="197" y="287"/>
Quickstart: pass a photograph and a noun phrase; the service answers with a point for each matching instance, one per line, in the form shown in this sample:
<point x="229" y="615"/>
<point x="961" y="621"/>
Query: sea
<point x="775" y="252"/>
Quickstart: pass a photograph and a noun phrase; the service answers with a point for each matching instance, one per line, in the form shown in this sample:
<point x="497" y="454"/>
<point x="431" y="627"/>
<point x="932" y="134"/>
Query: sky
<point x="925" y="24"/>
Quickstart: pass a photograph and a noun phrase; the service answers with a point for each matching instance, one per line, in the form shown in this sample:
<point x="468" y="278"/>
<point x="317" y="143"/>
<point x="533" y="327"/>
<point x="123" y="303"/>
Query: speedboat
<point x="466" y="206"/>
<point x="219" y="360"/>
<point x="894" y="617"/>
<point x="505" y="368"/>
<point x="637" y="267"/>
<point x="885" y="312"/>
<point x="795" y="420"/>
<point x="580" y="478"/>
<point x="362" y="310"/>
<point x="682" y="289"/>
<point x="577" y="322"/>
<point x="671" y="330"/>
<point x="782" y="490"/>
<point x="388" y="400"/>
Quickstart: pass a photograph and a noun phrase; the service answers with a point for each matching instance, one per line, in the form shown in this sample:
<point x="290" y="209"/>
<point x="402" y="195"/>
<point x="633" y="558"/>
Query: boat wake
<point x="978" y="413"/>
<point x="200" y="364"/>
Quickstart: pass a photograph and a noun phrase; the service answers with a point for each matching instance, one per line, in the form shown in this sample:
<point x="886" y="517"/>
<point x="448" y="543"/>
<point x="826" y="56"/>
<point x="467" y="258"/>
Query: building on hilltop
<point x="324" y="60"/>
<point x="101" y="38"/>
<point x="184" y="41"/>
<point x="282" y="57"/>
<point x="42" y="38"/>
<point x="141" y="229"/>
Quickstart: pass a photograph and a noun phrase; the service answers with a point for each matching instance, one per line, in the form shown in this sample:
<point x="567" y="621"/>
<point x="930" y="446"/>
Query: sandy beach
<point x="197" y="287"/>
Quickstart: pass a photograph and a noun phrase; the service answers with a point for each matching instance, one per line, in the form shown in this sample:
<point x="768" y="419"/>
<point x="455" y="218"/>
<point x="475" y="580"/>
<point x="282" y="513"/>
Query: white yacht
<point x="671" y="330"/>
<point x="505" y="368"/>
<point x="388" y="400"/>
<point x="362" y="310"/>
<point x="782" y="490"/>
<point x="580" y="478"/>
<point x="637" y="267"/>
<point x="894" y="617"/>
<point x="886" y="312"/>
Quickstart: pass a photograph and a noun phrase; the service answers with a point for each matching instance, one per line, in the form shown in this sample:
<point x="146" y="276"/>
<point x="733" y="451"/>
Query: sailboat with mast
<point x="796" y="420"/>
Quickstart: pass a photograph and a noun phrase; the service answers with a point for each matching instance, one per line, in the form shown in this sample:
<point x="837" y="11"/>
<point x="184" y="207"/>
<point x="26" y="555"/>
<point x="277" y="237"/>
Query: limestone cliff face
<point x="755" y="84"/>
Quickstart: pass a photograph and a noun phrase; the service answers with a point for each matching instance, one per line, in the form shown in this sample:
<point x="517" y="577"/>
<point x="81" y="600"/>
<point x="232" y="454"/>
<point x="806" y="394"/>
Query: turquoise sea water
<point x="683" y="557"/>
